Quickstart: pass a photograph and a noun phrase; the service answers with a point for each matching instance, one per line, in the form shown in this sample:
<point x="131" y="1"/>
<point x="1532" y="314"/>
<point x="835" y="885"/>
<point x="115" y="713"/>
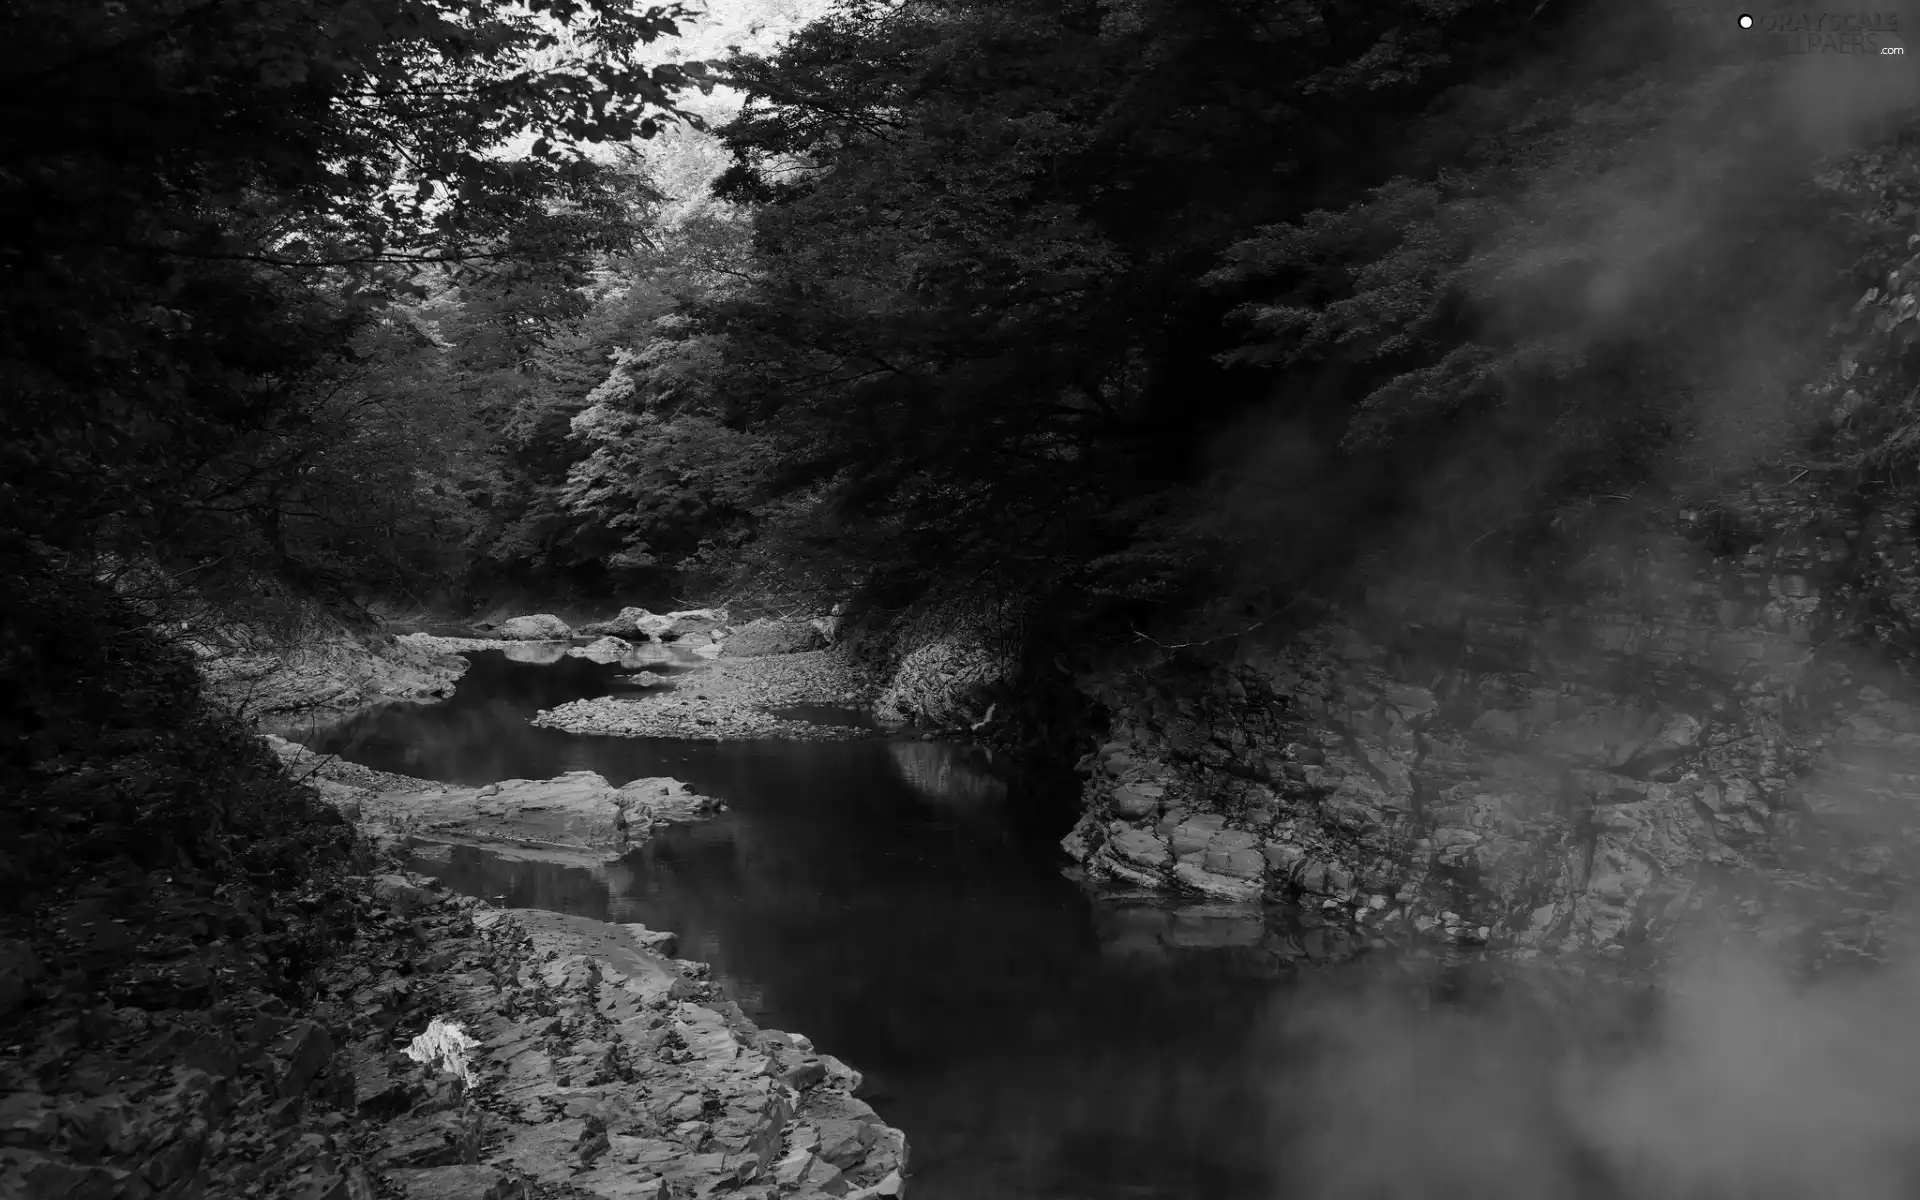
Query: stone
<point x="463" y="1182"/>
<point x="1283" y="856"/>
<point x="575" y="812"/>
<point x="1137" y="846"/>
<point x="844" y="1143"/>
<point x="1137" y="799"/>
<point x="767" y="636"/>
<point x="804" y="1075"/>
<point x="676" y="625"/>
<point x="606" y="650"/>
<point x="400" y="894"/>
<point x="823" y="1176"/>
<point x="792" y="1170"/>
<point x="1194" y="833"/>
<point x="626" y="624"/>
<point x="301" y="1054"/>
<point x="659" y="941"/>
<point x="1238" y="863"/>
<point x="1413" y="703"/>
<point x="542" y="627"/>
<point x="887" y="1189"/>
<point x="1499" y="726"/>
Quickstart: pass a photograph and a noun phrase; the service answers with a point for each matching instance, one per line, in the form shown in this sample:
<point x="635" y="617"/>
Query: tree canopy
<point x="207" y="205"/>
<point x="1114" y="300"/>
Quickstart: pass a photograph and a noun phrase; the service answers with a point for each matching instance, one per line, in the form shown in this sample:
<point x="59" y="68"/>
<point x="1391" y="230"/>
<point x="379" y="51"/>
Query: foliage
<point x="1612" y="275"/>
<point x="109" y="760"/>
<point x="979" y="230"/>
<point x="205" y="206"/>
<point x="1874" y="390"/>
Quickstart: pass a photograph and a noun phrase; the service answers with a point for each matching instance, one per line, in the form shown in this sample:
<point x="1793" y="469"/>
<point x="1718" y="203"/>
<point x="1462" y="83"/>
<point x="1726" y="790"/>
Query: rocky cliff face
<point x="1698" y="737"/>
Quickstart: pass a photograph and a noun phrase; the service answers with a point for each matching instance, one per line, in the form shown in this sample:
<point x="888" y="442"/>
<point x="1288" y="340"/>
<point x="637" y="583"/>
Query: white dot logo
<point x="1746" y="22"/>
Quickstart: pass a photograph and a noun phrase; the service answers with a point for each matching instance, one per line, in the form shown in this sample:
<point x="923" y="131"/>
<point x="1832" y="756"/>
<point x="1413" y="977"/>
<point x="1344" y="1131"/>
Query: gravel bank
<point x="732" y="698"/>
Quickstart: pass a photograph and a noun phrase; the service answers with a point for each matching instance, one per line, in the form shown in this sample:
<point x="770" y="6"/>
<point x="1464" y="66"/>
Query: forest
<point x="1089" y="303"/>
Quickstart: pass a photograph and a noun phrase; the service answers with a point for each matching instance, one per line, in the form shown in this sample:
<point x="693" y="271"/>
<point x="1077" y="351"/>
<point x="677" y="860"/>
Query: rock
<point x="339" y="671"/>
<point x="768" y="636"/>
<point x="845" y="1143"/>
<point x="629" y="623"/>
<point x="47" y="1177"/>
<point x="1211" y="884"/>
<point x="1195" y="833"/>
<point x="1606" y="737"/>
<point x="301" y="1054"/>
<point x="887" y="1189"/>
<point x="1283" y="857"/>
<point x="660" y="942"/>
<point x="400" y="893"/>
<point x="1137" y="846"/>
<point x="468" y="1182"/>
<point x="579" y="811"/>
<point x="542" y="627"/>
<point x="1501" y="727"/>
<point x="606" y="650"/>
<point x="1235" y="862"/>
<point x="1413" y="703"/>
<point x="827" y="628"/>
<point x="676" y="625"/>
<point x="1084" y="836"/>
<point x="20" y="970"/>
<point x="1137" y="799"/>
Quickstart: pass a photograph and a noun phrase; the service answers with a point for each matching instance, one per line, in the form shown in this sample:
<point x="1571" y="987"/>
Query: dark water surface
<point x="902" y="906"/>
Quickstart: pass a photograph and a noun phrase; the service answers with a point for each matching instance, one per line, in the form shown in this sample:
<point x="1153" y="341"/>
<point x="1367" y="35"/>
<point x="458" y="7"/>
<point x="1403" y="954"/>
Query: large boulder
<point x="768" y="636"/>
<point x="628" y="624"/>
<point x="676" y="625"/>
<point x="828" y="627"/>
<point x="542" y="627"/>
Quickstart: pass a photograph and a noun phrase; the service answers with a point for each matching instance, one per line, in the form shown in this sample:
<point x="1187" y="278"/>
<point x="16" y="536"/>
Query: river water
<point x="903" y="905"/>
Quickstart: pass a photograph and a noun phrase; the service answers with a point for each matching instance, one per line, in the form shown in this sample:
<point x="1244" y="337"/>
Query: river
<point x="902" y="904"/>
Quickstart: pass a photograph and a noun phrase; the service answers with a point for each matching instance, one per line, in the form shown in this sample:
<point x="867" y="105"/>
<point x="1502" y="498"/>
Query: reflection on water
<point x="940" y="771"/>
<point x="904" y="908"/>
<point x="538" y="654"/>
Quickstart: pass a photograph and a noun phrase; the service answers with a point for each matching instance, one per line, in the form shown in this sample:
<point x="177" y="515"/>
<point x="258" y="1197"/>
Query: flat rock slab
<point x="578" y="813"/>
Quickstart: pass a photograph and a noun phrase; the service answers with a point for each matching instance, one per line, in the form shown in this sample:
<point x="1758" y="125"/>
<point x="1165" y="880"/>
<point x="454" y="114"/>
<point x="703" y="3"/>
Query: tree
<point x="980" y="227"/>
<point x="205" y="205"/>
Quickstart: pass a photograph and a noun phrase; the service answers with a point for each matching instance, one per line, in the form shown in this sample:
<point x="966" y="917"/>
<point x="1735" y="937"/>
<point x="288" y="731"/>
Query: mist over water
<point x="1745" y="1081"/>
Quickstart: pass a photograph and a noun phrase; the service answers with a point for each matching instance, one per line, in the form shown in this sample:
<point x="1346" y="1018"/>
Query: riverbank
<point x="595" y="1063"/>
<point x="332" y="671"/>
<point x="270" y="1056"/>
